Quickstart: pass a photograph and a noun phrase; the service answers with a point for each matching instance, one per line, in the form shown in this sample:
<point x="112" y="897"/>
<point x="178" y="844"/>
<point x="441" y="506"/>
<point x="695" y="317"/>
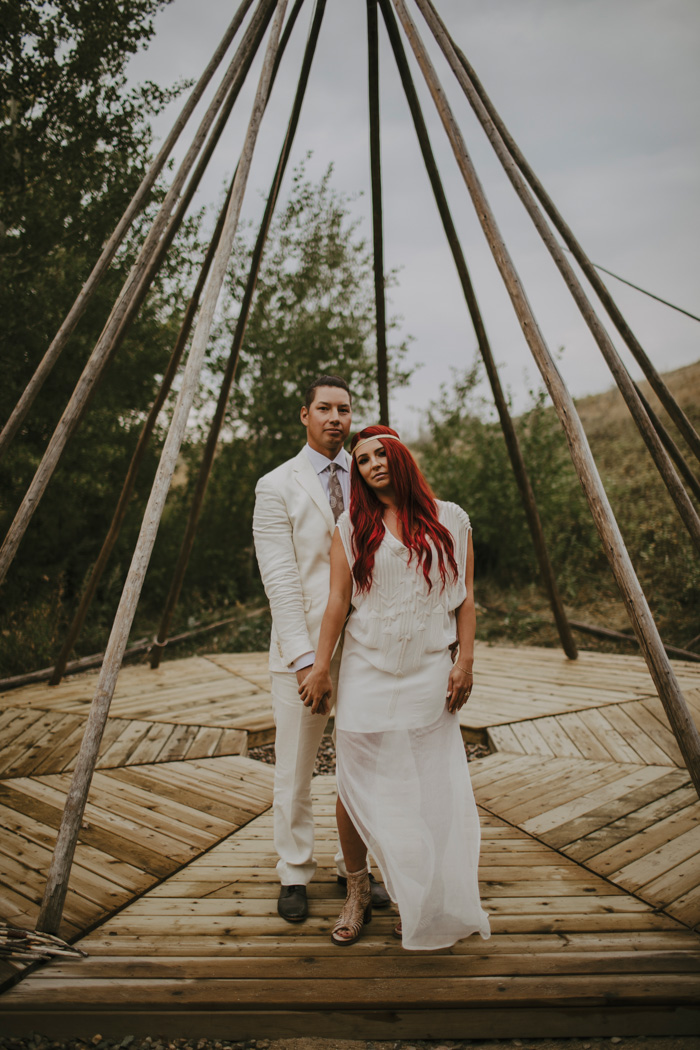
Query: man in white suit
<point x="296" y="507"/>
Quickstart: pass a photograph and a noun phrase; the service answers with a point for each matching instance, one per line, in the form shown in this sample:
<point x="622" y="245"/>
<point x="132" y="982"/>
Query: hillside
<point x="608" y="409"/>
<point x="662" y="553"/>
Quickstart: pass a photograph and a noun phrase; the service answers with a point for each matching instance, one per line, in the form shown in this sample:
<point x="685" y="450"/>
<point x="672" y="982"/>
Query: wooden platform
<point x="199" y="691"/>
<point x="590" y="867"/>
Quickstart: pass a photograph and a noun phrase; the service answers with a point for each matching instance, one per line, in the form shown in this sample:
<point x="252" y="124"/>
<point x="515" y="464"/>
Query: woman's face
<point x="372" y="465"/>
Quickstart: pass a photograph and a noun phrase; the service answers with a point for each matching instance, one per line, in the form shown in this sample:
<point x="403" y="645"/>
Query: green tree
<point x="74" y="145"/>
<point x="467" y="461"/>
<point x="313" y="312"/>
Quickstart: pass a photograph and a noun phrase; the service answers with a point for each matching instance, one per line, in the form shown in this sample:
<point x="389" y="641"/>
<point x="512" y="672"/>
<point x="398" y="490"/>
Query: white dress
<point x="401" y="768"/>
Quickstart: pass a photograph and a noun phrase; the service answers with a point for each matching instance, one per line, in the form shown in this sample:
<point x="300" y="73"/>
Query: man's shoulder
<point x="275" y="477"/>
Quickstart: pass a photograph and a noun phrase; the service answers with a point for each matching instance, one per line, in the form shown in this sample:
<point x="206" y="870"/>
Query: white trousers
<point x="297" y="740"/>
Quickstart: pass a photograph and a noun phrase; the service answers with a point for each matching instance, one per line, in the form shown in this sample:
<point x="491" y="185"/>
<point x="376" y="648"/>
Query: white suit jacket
<point x="293" y="527"/>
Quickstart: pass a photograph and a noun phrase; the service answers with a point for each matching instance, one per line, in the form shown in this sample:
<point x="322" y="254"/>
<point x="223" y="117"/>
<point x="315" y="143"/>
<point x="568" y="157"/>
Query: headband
<point x="375" y="437"/>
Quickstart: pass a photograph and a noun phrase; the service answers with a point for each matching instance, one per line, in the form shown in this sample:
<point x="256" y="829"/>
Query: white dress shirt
<point x="320" y="463"/>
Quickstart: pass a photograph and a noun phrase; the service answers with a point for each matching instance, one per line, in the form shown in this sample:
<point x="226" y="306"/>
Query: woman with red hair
<point x="403" y="562"/>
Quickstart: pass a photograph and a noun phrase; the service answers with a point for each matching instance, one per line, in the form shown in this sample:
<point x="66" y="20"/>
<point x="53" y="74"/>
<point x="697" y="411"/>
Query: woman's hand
<point x="316" y="690"/>
<point x="459" y="687"/>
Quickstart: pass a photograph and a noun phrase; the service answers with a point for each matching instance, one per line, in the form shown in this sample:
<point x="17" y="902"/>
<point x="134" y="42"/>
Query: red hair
<point x="416" y="509"/>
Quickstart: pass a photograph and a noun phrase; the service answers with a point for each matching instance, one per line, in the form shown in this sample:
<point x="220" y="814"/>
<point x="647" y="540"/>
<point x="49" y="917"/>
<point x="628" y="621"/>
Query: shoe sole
<point x="296" y="918"/>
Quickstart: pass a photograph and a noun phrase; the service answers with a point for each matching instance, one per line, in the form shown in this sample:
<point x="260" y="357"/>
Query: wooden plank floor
<point x="232" y="690"/>
<point x="633" y="731"/>
<point x="517" y="683"/>
<point x="639" y="826"/>
<point x="141" y="824"/>
<point x="613" y="794"/>
<point x="193" y="691"/>
<point x="205" y="950"/>
<point x="36" y="742"/>
<point x="590" y="863"/>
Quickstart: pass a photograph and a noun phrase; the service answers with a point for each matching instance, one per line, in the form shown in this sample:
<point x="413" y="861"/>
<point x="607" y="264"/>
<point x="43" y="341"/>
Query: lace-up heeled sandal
<point x="357" y="910"/>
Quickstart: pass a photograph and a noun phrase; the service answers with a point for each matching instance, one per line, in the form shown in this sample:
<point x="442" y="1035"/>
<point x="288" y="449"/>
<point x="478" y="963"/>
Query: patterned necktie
<point x="335" y="492"/>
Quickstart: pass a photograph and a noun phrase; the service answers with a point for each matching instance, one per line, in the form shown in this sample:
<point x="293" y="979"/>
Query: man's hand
<point x="302" y="673"/>
<point x="315" y="689"/>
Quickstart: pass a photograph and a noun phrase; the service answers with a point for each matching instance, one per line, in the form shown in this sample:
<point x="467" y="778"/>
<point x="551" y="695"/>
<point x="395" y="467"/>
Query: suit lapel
<point x="309" y="481"/>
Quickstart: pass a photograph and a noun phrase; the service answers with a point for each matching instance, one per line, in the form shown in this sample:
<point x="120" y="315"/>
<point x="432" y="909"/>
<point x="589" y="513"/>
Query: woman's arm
<point x="316" y="689"/>
<point x="460" y="682"/>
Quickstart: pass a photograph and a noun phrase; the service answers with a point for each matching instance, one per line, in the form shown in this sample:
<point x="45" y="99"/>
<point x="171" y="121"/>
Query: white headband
<point x="375" y="437"/>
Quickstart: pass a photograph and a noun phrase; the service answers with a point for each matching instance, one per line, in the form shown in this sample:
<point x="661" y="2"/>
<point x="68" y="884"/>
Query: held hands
<point x="315" y="689"/>
<point x="459" y="687"/>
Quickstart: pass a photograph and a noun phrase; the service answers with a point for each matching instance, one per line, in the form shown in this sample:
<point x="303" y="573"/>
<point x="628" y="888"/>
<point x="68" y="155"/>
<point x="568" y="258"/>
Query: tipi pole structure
<point x="683" y="503"/>
<point x="137" y="457"/>
<point x="59" y="873"/>
<point x="128" y="299"/>
<point x="638" y="610"/>
<point x="212" y="438"/>
<point x="377" y="220"/>
<point x="110" y="248"/>
<point x="655" y="380"/>
<point x="127" y="488"/>
<point x="140" y="294"/>
<point x="512" y="444"/>
<point x="671" y="447"/>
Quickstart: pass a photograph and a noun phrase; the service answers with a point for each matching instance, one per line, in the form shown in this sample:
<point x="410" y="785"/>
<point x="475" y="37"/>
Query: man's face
<point x="328" y="420"/>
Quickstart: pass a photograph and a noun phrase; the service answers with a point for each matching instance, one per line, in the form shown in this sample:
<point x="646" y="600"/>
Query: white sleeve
<point x="345" y="530"/>
<point x="274" y="547"/>
<point x="457" y="521"/>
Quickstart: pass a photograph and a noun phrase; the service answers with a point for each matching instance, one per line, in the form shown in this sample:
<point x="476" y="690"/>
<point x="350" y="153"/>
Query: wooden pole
<point x="377" y="221"/>
<point x="213" y="437"/>
<point x="110" y="248"/>
<point x="680" y="497"/>
<point x="132" y="293"/>
<point x="59" y="873"/>
<point x="618" y="636"/>
<point x="657" y="384"/>
<point x="512" y="444"/>
<point x="174" y="224"/>
<point x="139" y="452"/>
<point x="671" y="447"/>
<point x="642" y="621"/>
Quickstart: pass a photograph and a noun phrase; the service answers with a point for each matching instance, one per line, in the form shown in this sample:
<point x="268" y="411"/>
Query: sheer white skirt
<point x="408" y="792"/>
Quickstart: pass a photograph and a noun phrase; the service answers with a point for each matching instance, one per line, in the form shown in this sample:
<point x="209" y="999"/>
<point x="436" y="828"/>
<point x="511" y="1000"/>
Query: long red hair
<point x="416" y="509"/>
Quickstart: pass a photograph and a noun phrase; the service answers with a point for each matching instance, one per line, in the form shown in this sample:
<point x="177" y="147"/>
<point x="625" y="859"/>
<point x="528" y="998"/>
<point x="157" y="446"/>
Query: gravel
<point x="36" y="1041"/>
<point x="325" y="760"/>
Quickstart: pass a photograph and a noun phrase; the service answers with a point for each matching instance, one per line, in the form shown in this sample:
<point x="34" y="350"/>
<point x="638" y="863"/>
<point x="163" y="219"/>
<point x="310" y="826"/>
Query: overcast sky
<point x="602" y="97"/>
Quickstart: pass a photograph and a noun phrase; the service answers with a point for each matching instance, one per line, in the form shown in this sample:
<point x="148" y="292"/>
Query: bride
<point x="404" y="562"/>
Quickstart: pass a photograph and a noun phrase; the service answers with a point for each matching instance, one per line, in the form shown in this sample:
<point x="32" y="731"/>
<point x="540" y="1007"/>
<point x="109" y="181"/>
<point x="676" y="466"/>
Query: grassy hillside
<point x="664" y="559"/>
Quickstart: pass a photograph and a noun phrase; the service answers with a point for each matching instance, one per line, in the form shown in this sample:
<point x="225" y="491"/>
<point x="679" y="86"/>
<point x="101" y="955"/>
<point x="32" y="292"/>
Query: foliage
<point x="74" y="146"/>
<point x="466" y="459"/>
<point x="313" y="312"/>
<point x="662" y="552"/>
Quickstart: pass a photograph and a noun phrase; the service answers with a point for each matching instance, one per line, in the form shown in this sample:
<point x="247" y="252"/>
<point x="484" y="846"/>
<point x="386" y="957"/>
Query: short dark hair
<point x="324" y="381"/>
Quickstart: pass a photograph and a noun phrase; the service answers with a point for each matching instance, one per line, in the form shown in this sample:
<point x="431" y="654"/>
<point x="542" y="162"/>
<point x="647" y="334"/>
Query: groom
<point x="296" y="508"/>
